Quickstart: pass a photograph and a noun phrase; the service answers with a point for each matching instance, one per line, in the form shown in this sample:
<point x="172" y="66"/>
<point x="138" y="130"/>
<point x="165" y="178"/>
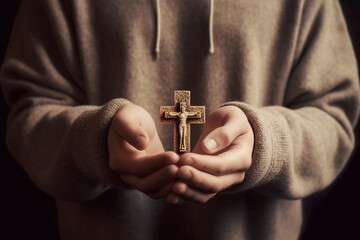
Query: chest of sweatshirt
<point x="254" y="44"/>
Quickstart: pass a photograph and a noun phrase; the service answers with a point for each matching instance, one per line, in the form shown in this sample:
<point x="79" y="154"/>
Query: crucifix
<point x="181" y="115"/>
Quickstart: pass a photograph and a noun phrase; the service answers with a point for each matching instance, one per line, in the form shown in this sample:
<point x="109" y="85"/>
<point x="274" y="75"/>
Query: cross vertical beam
<point x="181" y="115"/>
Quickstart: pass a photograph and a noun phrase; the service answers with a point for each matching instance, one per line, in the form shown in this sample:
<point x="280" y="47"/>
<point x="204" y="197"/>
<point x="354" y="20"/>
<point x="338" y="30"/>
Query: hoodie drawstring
<point x="211" y="27"/>
<point x="158" y="27"/>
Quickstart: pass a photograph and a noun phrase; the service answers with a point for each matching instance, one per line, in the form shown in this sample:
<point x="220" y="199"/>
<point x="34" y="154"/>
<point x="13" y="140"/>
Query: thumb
<point x="129" y="123"/>
<point x="134" y="134"/>
<point x="219" y="139"/>
<point x="226" y="129"/>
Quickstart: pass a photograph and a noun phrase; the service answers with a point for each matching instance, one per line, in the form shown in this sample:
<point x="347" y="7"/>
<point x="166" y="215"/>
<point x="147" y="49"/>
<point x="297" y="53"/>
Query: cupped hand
<point x="219" y="160"/>
<point x="137" y="154"/>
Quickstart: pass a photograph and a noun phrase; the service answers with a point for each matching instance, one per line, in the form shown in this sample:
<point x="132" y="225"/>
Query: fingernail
<point x="211" y="144"/>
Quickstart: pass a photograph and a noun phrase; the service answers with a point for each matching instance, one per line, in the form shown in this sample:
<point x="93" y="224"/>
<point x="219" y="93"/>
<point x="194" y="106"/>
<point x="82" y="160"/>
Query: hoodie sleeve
<point x="52" y="131"/>
<point x="302" y="146"/>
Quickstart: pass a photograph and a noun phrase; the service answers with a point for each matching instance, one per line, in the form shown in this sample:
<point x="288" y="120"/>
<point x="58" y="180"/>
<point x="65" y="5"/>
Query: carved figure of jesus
<point x="182" y="116"/>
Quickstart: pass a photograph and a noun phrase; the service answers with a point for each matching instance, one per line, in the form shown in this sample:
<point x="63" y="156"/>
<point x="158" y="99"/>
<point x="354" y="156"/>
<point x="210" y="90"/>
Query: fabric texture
<point x="289" y="65"/>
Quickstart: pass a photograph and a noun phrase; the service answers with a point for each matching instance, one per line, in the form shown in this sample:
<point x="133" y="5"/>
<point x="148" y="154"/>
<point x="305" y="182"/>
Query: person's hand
<point x="137" y="154"/>
<point x="219" y="160"/>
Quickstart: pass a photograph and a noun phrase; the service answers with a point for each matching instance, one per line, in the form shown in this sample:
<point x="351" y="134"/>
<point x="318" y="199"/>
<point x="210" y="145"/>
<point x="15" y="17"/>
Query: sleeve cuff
<point x="270" y="147"/>
<point x="91" y="148"/>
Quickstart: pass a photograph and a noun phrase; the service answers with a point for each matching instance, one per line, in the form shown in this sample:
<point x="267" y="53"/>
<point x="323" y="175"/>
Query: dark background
<point x="26" y="212"/>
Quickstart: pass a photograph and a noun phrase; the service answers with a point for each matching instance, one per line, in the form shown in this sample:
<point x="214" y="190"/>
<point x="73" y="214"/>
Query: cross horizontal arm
<point x="171" y="115"/>
<point x="194" y="115"/>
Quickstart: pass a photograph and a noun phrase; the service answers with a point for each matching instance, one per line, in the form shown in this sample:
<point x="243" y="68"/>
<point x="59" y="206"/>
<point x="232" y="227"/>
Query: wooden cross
<point x="182" y="114"/>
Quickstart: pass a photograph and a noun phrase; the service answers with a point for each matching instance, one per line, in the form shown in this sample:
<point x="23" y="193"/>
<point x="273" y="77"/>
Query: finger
<point x="182" y="191"/>
<point x="131" y="131"/>
<point x="163" y="192"/>
<point x="134" y="125"/>
<point x="135" y="135"/>
<point x="208" y="183"/>
<point x="233" y="160"/>
<point x="173" y="198"/>
<point x="154" y="181"/>
<point x="222" y="136"/>
<point x="144" y="165"/>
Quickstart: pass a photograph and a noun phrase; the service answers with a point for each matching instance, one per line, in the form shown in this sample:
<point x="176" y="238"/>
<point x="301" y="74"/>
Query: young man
<point x="85" y="86"/>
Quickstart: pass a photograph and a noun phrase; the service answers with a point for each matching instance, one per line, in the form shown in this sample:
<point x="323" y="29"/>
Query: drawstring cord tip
<point x="211" y="27"/>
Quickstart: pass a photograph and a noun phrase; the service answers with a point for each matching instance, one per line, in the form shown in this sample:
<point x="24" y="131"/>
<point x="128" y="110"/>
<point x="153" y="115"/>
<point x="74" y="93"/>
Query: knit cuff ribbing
<point x="270" y="147"/>
<point x="92" y="152"/>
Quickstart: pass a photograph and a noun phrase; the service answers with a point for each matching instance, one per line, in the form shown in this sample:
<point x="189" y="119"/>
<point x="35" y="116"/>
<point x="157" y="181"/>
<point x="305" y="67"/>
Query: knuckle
<point x="171" y="171"/>
<point x="212" y="189"/>
<point x="142" y="186"/>
<point x="221" y="169"/>
<point x="115" y="164"/>
<point x="237" y="113"/>
<point x="170" y="158"/>
<point x="183" y="170"/>
<point x="180" y="188"/>
<point x="216" y="188"/>
<point x="194" y="161"/>
<point x="225" y="136"/>
<point x="199" y="164"/>
<point x="185" y="159"/>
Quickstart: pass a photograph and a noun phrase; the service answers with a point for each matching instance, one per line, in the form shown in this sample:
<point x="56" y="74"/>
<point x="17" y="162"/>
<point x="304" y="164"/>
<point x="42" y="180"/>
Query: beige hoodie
<point x="289" y="65"/>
